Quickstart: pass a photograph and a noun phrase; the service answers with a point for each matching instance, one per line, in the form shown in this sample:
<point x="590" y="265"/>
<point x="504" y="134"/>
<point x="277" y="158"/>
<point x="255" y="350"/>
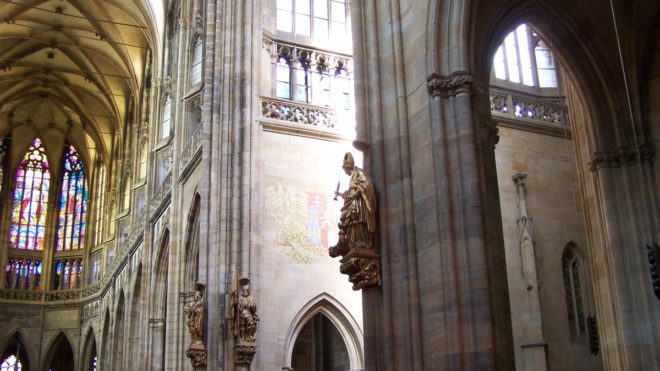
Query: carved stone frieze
<point x="449" y="85"/>
<point x="362" y="267"/>
<point x="621" y="156"/>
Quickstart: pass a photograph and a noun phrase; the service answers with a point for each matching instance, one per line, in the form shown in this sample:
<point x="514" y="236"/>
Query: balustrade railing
<point x="519" y="107"/>
<point x="299" y="113"/>
<point x="161" y="192"/>
<point x="192" y="148"/>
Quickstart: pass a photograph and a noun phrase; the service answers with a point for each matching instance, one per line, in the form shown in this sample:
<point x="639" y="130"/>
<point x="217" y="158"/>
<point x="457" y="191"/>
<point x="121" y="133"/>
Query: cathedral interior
<point x="329" y="185"/>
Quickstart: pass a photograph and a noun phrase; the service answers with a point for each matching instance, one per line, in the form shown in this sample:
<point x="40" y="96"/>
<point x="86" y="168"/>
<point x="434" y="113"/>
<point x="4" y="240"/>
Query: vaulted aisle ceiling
<point x="75" y="66"/>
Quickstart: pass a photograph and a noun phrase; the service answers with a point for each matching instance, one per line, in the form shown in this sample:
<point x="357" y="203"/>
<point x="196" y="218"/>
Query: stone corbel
<point x="445" y="86"/>
<point x="490" y="131"/>
<point x="362" y="267"/>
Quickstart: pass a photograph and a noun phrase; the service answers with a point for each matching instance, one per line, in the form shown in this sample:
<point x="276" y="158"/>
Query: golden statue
<point x="357" y="223"/>
<point x="244" y="313"/>
<point x="194" y="312"/>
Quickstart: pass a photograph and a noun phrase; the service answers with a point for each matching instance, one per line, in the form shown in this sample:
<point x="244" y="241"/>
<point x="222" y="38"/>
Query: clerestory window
<point x="524" y="58"/>
<point x="48" y="218"/>
<point x="312" y="65"/>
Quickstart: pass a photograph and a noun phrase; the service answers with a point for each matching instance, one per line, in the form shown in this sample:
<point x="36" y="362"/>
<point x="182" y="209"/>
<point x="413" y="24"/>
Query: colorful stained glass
<point x="23" y="274"/>
<point x="28" y="225"/>
<point x="73" y="203"/>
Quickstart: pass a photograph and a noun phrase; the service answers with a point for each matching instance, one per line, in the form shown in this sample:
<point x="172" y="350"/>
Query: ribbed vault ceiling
<point x="71" y="65"/>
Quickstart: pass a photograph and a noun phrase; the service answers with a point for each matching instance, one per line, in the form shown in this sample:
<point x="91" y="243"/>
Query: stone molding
<point x="621" y="156"/>
<point x="449" y="85"/>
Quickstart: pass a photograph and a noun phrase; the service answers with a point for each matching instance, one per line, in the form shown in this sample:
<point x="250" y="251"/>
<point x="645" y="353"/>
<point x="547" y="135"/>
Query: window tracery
<point x="524" y="58"/>
<point x="73" y="203"/>
<point x="28" y="225"/>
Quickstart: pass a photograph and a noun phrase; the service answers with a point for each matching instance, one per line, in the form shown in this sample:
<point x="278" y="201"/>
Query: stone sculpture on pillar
<point x="357" y="229"/>
<point x="244" y="320"/>
<point x="194" y="312"/>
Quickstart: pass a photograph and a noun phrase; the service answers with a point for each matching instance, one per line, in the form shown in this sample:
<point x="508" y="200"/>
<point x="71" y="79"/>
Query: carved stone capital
<point x="621" y="156"/>
<point x="244" y="352"/>
<point x="197" y="355"/>
<point x="449" y="85"/>
<point x="362" y="267"/>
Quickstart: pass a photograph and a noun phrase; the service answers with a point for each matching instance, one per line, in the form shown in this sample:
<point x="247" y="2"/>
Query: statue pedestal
<point x="244" y="352"/>
<point x="362" y="267"/>
<point x="197" y="354"/>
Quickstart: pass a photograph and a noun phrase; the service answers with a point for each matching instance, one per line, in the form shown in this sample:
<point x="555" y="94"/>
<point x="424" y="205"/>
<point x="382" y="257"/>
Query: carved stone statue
<point x="195" y="317"/>
<point x="194" y="312"/>
<point x="244" y="320"/>
<point x="244" y="313"/>
<point x="357" y="223"/>
<point x="357" y="229"/>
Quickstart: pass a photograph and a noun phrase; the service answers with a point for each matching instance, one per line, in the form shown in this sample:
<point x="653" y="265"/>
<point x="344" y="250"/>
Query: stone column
<point x="443" y="300"/>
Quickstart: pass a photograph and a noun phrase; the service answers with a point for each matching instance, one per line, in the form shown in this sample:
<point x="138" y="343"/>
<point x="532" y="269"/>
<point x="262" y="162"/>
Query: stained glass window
<point x="28" y="225"/>
<point x="67" y="273"/>
<point x="23" y="274"/>
<point x="11" y="363"/>
<point x="73" y="203"/>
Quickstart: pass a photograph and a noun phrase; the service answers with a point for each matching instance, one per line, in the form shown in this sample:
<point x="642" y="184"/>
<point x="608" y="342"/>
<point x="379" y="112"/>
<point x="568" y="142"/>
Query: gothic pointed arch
<point x="60" y="356"/>
<point x="325" y="321"/>
<point x="16" y="350"/>
<point x="191" y="261"/>
<point x="30" y="200"/>
<point x="118" y="332"/>
<point x="90" y="351"/>
<point x="105" y="343"/>
<point x="136" y="321"/>
<point x="158" y="308"/>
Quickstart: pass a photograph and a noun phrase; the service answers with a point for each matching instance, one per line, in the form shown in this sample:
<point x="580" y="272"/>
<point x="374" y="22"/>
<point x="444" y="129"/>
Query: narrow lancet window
<point x="73" y="203"/>
<point x="28" y="226"/>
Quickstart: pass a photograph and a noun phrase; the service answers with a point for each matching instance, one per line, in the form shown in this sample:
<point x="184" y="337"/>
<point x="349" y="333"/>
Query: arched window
<point x="573" y="270"/>
<point x="73" y="203"/>
<point x="100" y="204"/>
<point x="196" y="65"/>
<point x="165" y="119"/>
<point x="524" y="58"/>
<point x="28" y="226"/>
<point x="302" y="72"/>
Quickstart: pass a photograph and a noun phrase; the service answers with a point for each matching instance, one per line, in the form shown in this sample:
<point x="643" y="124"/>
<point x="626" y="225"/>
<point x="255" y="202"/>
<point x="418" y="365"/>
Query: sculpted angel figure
<point x="357" y="222"/>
